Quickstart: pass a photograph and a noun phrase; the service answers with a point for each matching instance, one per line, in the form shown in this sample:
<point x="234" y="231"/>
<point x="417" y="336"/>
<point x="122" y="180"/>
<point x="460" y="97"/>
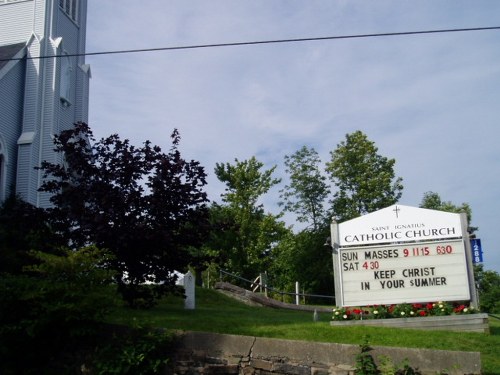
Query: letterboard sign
<point x="400" y="254"/>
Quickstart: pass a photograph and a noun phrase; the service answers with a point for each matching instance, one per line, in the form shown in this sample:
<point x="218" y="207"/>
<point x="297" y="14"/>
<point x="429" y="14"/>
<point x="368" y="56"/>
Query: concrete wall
<point x="208" y="353"/>
<point x="460" y="323"/>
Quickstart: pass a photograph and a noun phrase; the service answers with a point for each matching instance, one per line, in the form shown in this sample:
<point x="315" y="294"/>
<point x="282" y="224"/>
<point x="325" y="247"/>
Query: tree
<point x="145" y="206"/>
<point x="303" y="257"/>
<point x="23" y="227"/>
<point x="365" y="180"/>
<point x="488" y="287"/>
<point x="433" y="201"/>
<point x="53" y="309"/>
<point x="306" y="194"/>
<point x="251" y="233"/>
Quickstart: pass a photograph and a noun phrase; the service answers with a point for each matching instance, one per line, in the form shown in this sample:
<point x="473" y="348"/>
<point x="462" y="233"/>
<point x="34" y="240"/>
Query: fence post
<point x="297" y="293"/>
<point x="265" y="284"/>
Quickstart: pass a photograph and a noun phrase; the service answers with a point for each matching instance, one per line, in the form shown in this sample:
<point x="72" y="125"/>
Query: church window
<point x="65" y="80"/>
<point x="70" y="7"/>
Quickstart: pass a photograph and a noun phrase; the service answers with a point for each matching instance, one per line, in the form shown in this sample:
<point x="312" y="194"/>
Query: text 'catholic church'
<point x="39" y="95"/>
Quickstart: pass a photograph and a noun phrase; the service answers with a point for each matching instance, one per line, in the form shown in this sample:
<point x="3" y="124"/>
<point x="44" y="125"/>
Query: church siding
<point x="16" y="22"/>
<point x="46" y="30"/>
<point x="11" y="111"/>
<point x="82" y="92"/>
<point x="23" y="177"/>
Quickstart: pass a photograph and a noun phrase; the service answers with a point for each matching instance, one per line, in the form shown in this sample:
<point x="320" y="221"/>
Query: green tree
<point x="53" y="309"/>
<point x="145" y="206"/>
<point x="365" y="180"/>
<point x="250" y="233"/>
<point x="307" y="191"/>
<point x="303" y="257"/>
<point x="433" y="201"/>
<point x="23" y="227"/>
<point x="488" y="287"/>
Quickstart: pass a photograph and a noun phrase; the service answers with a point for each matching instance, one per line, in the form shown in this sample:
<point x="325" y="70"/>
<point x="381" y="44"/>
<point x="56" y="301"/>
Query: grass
<point x="216" y="312"/>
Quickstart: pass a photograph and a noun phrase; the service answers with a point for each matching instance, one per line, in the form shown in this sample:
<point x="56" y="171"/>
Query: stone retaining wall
<point x="208" y="353"/>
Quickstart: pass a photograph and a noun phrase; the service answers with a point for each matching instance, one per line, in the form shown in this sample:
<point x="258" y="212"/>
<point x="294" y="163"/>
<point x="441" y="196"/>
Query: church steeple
<point x="51" y="93"/>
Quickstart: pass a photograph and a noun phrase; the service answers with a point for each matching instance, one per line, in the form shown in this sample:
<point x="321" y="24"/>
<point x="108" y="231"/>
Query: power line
<point x="236" y="44"/>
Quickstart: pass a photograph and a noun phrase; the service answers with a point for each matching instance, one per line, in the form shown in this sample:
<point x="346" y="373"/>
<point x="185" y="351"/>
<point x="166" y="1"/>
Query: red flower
<point x="429" y="306"/>
<point x="422" y="313"/>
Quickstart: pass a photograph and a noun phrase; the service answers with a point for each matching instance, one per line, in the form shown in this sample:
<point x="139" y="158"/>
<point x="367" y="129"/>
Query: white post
<point x="189" y="283"/>
<point x="334" y="228"/>
<point x="297" y="293"/>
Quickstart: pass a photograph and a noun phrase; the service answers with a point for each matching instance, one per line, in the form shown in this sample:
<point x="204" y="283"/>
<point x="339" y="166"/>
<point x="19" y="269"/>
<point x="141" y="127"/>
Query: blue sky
<point x="432" y="102"/>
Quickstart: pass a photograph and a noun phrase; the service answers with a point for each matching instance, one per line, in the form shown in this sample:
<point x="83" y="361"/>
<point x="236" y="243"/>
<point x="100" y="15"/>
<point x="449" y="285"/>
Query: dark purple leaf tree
<point x="145" y="206"/>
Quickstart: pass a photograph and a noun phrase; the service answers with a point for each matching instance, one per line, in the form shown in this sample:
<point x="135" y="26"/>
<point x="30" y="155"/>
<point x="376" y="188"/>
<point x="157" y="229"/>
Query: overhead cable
<point x="236" y="44"/>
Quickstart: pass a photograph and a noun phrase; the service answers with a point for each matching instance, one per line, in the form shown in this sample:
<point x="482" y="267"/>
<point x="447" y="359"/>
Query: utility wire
<point x="235" y="44"/>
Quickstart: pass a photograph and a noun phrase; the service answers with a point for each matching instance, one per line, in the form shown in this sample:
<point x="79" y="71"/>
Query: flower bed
<point x="405" y="310"/>
<point x="438" y="315"/>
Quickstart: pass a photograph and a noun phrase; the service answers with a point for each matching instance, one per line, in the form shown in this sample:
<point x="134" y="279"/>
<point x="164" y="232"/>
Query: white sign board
<point x="400" y="254"/>
<point x="399" y="224"/>
<point x="423" y="272"/>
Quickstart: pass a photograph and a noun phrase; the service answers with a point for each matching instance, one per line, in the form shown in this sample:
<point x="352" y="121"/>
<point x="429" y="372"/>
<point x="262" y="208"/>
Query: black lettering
<point x="346" y="256"/>
<point x="418" y="272"/>
<point x="389" y="274"/>
<point x="428" y="281"/>
<point x="392" y="284"/>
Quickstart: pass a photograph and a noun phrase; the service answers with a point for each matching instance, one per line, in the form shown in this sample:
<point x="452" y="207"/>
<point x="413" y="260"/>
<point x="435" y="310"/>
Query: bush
<point x="53" y="307"/>
<point x="137" y="351"/>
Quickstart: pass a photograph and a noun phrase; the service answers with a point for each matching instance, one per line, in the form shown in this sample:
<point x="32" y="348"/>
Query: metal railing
<point x="260" y="283"/>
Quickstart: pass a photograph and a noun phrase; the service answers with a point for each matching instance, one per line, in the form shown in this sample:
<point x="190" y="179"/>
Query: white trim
<point x="26" y="138"/>
<point x="86" y="69"/>
<point x="56" y="42"/>
<point x="15" y="59"/>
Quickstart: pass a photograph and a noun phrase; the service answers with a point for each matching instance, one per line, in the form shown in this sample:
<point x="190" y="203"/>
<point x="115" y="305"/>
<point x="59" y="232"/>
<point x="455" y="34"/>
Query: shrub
<point x="53" y="307"/>
<point x="137" y="351"/>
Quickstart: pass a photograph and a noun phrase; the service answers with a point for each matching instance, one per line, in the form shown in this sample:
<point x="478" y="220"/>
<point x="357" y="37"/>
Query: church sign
<point x="401" y="254"/>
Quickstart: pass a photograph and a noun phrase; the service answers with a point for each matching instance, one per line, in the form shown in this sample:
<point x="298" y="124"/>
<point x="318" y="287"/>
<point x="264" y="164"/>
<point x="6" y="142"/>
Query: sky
<point x="429" y="101"/>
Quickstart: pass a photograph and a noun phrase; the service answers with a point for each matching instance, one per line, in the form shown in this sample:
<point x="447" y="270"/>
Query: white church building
<point x="40" y="95"/>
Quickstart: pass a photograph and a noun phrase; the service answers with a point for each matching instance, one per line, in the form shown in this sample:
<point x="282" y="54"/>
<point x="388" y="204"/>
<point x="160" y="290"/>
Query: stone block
<point x="247" y="371"/>
<point x="319" y="370"/>
<point x="291" y="369"/>
<point x="221" y="369"/>
<point x="261" y="364"/>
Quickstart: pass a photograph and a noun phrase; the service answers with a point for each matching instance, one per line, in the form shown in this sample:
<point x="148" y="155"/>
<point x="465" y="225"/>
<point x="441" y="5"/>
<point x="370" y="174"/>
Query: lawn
<point x="216" y="312"/>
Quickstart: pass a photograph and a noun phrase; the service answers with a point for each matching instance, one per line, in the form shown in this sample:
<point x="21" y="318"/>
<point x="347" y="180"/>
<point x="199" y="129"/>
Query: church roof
<point x="8" y="52"/>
